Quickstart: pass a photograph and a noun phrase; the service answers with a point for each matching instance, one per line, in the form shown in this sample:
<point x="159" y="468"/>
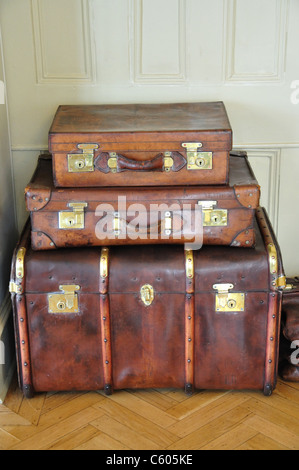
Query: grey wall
<point x="8" y="238"/>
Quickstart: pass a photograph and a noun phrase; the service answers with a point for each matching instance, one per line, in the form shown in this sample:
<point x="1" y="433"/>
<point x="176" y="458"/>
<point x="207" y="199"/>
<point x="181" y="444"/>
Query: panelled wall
<point x="243" y="52"/>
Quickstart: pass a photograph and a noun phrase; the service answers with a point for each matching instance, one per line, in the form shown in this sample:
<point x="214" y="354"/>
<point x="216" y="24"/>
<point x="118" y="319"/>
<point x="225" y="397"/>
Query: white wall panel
<point x="256" y="40"/>
<point x="63" y="42"/>
<point x="288" y="220"/>
<point x="159" y="40"/>
<point x="265" y="165"/>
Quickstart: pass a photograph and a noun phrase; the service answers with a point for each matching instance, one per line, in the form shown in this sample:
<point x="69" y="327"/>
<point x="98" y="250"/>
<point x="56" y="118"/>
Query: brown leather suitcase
<point x="289" y="350"/>
<point x="140" y="145"/>
<point x="148" y="316"/>
<point x="74" y="217"/>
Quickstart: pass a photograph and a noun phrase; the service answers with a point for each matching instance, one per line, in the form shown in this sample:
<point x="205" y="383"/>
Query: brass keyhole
<point x="200" y="162"/>
<point x="231" y="303"/>
<point x="80" y="164"/>
<point x="61" y="306"/>
<point x="215" y="218"/>
<point x="70" y="222"/>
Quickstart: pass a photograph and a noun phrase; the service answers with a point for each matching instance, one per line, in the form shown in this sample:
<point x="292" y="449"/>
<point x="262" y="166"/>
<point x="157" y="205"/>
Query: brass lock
<point x="213" y="217"/>
<point x="82" y="162"/>
<point x="74" y="219"/>
<point x="227" y="301"/>
<point x="197" y="160"/>
<point x="66" y="301"/>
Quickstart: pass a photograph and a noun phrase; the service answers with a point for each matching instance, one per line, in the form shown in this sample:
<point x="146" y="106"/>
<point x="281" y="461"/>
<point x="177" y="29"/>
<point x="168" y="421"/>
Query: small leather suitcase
<point x="74" y="217"/>
<point x="148" y="316"/>
<point x="289" y="350"/>
<point x="140" y="145"/>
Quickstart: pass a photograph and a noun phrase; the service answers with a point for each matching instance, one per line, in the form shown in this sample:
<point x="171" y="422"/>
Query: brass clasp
<point x="66" y="302"/>
<point x="213" y="217"/>
<point x="197" y="160"/>
<point x="227" y="301"/>
<point x="82" y="162"/>
<point x="74" y="219"/>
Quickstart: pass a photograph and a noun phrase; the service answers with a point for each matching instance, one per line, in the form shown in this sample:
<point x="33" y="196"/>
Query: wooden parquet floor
<point x="152" y="420"/>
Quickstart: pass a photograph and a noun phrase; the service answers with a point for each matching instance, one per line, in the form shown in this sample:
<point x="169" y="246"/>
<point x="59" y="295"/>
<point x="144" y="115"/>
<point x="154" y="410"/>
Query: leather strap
<point x="272" y="353"/>
<point x="18" y="276"/>
<point x="105" y="321"/>
<point x="189" y="322"/>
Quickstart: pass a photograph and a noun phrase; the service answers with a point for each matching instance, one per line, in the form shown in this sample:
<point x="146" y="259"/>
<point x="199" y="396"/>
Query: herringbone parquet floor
<point x="152" y="420"/>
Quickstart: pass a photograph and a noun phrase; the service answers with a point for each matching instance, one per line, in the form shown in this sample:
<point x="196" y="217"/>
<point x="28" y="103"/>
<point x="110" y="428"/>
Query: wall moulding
<point x="75" y="63"/>
<point x="248" y="57"/>
<point x="266" y="167"/>
<point x="158" y="53"/>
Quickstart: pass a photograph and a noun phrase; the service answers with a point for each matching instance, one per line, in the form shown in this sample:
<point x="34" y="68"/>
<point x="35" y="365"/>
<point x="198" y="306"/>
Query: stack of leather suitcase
<point x="148" y="261"/>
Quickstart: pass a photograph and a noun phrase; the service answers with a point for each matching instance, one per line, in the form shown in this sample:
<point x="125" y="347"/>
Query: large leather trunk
<point x="140" y="145"/>
<point x="289" y="343"/>
<point x="74" y="217"/>
<point x="148" y="316"/>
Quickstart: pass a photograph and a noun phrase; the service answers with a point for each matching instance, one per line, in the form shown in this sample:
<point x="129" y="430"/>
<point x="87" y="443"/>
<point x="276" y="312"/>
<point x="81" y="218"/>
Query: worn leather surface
<point x="241" y="197"/>
<point x="139" y="133"/>
<point x="140" y="118"/>
<point x="147" y="343"/>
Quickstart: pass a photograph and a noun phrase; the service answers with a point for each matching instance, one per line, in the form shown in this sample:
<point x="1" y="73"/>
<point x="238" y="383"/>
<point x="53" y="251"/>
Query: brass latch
<point x="227" y="301"/>
<point x="112" y="162"/>
<point x="213" y="217"/>
<point x="168" y="161"/>
<point x="167" y="223"/>
<point x="104" y="263"/>
<point x="74" y="219"/>
<point x="197" y="160"/>
<point x="117" y="224"/>
<point x="15" y="288"/>
<point x="147" y="294"/>
<point x="66" y="302"/>
<point x="82" y="162"/>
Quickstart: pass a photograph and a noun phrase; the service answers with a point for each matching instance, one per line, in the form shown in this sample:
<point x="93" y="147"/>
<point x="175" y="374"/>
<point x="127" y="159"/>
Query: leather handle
<point x="116" y="163"/>
<point x="156" y="164"/>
